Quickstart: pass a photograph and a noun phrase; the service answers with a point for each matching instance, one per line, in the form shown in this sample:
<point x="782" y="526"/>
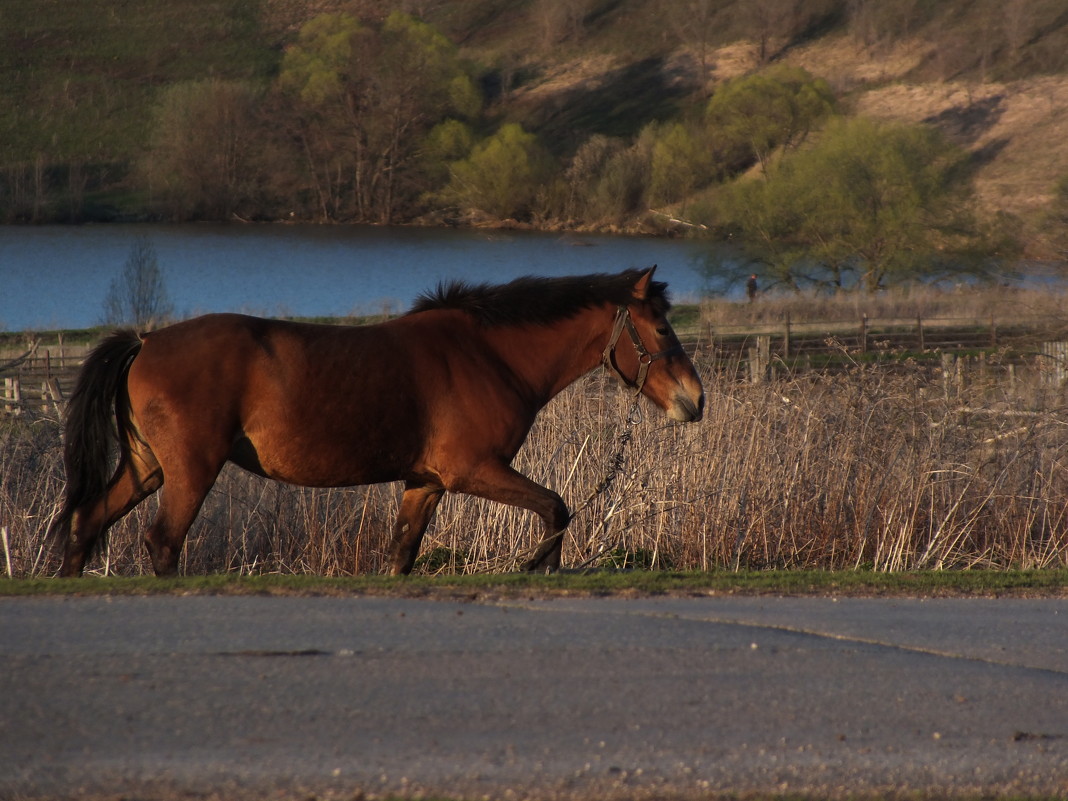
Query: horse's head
<point x="645" y="354"/>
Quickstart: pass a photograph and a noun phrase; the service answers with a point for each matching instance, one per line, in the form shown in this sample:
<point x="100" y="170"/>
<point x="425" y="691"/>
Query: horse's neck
<point x="549" y="358"/>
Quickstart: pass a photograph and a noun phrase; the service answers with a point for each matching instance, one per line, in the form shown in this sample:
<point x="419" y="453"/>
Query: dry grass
<point x="1018" y="128"/>
<point x="872" y="468"/>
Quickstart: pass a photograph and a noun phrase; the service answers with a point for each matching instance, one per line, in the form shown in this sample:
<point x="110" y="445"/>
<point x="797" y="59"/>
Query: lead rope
<point x="615" y="464"/>
<point x="615" y="467"/>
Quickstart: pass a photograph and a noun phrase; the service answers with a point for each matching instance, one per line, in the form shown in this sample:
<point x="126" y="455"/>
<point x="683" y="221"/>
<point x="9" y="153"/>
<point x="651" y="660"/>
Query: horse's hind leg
<point x="136" y="477"/>
<point x="178" y="507"/>
<point x="417" y="507"/>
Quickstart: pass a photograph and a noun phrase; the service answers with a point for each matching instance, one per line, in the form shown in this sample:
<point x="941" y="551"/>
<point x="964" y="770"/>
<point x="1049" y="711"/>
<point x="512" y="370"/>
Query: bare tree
<point x="880" y="22"/>
<point x="138" y="295"/>
<point x="559" y="20"/>
<point x="772" y="23"/>
<point x="764" y="18"/>
<point x="203" y="159"/>
<point x="695" y="23"/>
<point x="1019" y="23"/>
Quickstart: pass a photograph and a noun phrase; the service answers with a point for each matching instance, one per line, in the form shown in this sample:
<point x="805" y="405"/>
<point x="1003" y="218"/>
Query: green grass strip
<point x="588" y="583"/>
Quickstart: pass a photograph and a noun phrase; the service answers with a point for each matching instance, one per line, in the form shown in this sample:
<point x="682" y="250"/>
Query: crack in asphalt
<point x="798" y="630"/>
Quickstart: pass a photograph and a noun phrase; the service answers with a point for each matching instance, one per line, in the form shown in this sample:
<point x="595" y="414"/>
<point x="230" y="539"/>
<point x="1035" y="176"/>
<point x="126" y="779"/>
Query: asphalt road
<point x="262" y="697"/>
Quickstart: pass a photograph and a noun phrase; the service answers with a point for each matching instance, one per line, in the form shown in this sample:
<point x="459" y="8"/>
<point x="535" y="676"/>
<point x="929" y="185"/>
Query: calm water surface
<point x="58" y="276"/>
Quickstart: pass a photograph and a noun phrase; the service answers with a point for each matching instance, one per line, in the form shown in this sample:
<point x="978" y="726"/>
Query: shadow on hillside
<point x="965" y="124"/>
<point x="619" y="103"/>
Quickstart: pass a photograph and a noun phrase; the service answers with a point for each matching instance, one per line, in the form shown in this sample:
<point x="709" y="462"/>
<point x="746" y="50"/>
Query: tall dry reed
<point x="873" y="468"/>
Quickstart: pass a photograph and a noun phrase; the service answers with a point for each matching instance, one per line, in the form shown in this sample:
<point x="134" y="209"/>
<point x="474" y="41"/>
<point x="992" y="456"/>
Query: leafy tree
<point x="451" y="140"/>
<point x="203" y="160"/>
<point x="503" y="176"/>
<point x="753" y="115"/>
<point x="369" y="97"/>
<point x="138" y="295"/>
<point x="682" y="160"/>
<point x="870" y="204"/>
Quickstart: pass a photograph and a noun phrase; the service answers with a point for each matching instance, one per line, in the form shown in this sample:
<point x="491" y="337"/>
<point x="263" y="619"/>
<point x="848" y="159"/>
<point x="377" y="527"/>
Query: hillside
<point x="1017" y="129"/>
<point x="80" y="81"/>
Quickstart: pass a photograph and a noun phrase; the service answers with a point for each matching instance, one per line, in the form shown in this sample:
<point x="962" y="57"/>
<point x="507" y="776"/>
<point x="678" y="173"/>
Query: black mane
<point x="531" y="300"/>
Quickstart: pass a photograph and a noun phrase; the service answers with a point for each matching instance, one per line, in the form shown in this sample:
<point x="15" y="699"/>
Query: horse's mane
<point x="531" y="300"/>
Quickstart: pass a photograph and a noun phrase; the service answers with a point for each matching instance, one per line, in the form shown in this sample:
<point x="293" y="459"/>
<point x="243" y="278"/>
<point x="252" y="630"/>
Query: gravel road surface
<point x="285" y="697"/>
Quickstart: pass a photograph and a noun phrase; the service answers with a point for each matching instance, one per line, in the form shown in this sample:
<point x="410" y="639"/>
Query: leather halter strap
<point x="645" y="358"/>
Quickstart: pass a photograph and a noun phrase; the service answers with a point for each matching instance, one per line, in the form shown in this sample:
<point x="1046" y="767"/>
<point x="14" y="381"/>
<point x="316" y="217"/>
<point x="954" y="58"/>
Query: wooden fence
<point x="761" y="351"/>
<point x="791" y="338"/>
<point x="39" y="376"/>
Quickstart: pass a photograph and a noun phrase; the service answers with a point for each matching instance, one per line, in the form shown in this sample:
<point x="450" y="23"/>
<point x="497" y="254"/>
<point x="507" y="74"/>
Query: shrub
<point x="503" y="175"/>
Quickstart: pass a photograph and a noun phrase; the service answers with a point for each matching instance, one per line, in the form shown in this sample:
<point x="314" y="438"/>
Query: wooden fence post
<point x="1054" y="364"/>
<point x="13" y="394"/>
<point x="948" y="369"/>
<point x="786" y="338"/>
<point x="760" y="360"/>
<point x="7" y="549"/>
<point x="50" y="389"/>
<point x="864" y="333"/>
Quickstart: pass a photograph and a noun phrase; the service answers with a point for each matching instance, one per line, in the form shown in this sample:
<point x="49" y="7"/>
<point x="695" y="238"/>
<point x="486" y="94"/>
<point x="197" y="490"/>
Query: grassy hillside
<point x="78" y="81"/>
<point x="79" y="78"/>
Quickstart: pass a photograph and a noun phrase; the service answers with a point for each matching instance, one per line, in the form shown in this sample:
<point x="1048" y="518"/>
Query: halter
<point x="645" y="358"/>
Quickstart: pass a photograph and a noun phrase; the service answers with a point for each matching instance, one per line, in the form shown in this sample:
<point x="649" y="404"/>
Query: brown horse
<point x="441" y="398"/>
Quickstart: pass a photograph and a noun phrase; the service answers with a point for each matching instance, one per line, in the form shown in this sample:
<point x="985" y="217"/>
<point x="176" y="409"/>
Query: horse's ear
<point x="641" y="289"/>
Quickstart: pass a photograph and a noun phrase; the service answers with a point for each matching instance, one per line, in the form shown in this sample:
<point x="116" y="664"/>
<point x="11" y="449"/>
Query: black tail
<point x="88" y="430"/>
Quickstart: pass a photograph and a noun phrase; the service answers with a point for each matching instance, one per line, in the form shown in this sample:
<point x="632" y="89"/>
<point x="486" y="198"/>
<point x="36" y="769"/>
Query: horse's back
<point x="213" y="364"/>
<point x="309" y="404"/>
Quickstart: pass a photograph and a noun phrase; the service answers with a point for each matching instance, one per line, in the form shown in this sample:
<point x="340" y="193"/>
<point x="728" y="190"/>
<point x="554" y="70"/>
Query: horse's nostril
<point x="685" y="409"/>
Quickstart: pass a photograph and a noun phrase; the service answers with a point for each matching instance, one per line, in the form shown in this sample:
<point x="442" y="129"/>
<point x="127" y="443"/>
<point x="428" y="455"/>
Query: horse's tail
<point x="88" y="431"/>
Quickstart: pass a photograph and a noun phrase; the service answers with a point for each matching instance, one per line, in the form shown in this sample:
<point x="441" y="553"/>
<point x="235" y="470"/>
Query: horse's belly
<point x="325" y="462"/>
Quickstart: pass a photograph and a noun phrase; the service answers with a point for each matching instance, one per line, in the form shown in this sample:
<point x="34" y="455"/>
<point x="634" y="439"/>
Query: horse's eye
<point x="663" y="331"/>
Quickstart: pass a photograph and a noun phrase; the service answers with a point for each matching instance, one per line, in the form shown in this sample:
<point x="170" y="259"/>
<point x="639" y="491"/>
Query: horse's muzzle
<point x="686" y="410"/>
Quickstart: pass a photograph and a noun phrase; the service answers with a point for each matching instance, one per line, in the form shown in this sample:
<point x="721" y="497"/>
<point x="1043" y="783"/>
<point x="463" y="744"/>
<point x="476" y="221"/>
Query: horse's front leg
<point x="416" y="509"/>
<point x="548" y="553"/>
<point x="499" y="482"/>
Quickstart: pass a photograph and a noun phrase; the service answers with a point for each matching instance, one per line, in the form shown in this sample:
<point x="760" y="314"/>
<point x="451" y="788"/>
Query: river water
<point x="58" y="276"/>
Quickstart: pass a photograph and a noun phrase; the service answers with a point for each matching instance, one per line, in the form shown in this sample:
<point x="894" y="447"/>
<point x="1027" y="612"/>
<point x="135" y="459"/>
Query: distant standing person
<point x="751" y="287"/>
